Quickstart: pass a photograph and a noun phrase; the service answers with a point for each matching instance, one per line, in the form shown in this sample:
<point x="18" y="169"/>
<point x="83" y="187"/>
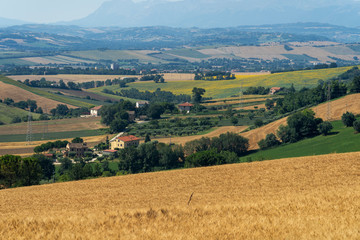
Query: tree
<point x="47" y="166"/>
<point x="325" y="128"/>
<point x="230" y="142"/>
<point x="197" y="94"/>
<point x="269" y="141"/>
<point x="355" y="85"/>
<point x="204" y="158"/>
<point x="155" y="111"/>
<point x="32" y="105"/>
<point x="258" y="123"/>
<point x="9" y="170"/>
<point x="348" y="119"/>
<point x="8" y="101"/>
<point x="269" y="103"/>
<point x="118" y="125"/>
<point x="77" y="140"/>
<point x="234" y="120"/>
<point x="356" y="126"/>
<point x="147" y="138"/>
<point x="30" y="171"/>
<point x="286" y="134"/>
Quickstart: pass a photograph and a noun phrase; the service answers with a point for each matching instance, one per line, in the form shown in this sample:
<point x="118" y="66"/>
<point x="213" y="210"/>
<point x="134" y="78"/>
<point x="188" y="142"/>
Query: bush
<point x="269" y="141"/>
<point x="325" y="128"/>
<point x="348" y="119"/>
<point x="356" y="126"/>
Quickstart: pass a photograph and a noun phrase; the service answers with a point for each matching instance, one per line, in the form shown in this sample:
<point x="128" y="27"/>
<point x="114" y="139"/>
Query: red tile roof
<point x="276" y="88"/>
<point x="97" y="108"/>
<point x="110" y="151"/>
<point x="186" y="105"/>
<point x="129" y="138"/>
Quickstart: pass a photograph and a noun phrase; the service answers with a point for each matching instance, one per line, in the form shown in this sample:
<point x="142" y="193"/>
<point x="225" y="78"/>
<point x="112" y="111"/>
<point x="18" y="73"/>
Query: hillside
<point x="7" y="113"/>
<point x="18" y="91"/>
<point x="337" y="109"/>
<point x="301" y="198"/>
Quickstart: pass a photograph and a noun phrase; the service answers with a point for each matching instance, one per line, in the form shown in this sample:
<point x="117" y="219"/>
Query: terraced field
<point x="300" y="198"/>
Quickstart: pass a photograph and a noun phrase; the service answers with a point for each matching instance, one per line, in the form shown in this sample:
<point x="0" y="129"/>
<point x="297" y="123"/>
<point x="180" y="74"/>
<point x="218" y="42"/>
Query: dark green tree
<point x="356" y="126"/>
<point x="348" y="119"/>
<point x="325" y="128"/>
<point x="77" y="140"/>
<point x="30" y="171"/>
<point x="197" y="94"/>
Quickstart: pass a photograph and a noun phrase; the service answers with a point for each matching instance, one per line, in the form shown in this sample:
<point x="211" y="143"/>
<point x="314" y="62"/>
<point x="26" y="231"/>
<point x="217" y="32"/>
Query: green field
<point x="341" y="140"/>
<point x="227" y="88"/>
<point x="189" y="53"/>
<point x="7" y="113"/>
<point x="52" y="136"/>
<point x="59" y="98"/>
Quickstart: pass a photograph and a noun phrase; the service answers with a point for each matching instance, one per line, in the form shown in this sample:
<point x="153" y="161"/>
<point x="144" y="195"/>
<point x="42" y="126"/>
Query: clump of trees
<point x="50" y="145"/>
<point x="257" y="91"/>
<point x="348" y="119"/>
<point x="214" y="75"/>
<point x="156" y="78"/>
<point x="116" y="115"/>
<point x="16" y="171"/>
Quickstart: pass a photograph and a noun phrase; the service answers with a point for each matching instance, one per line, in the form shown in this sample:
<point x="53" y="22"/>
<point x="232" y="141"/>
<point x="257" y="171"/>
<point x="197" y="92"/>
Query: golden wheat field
<point x="303" y="198"/>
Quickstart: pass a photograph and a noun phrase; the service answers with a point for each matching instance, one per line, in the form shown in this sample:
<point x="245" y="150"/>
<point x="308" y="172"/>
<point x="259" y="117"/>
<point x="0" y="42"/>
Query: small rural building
<point x="185" y="107"/>
<point x="131" y="115"/>
<point x="141" y="104"/>
<point x="78" y="148"/>
<point x="109" y="152"/>
<point x="274" y="90"/>
<point x="124" y="142"/>
<point x="95" y="111"/>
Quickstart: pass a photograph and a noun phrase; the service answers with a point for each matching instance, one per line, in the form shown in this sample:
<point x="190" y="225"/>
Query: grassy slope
<point x="341" y="140"/>
<point x="221" y="89"/>
<point x="45" y="94"/>
<point x="7" y="113"/>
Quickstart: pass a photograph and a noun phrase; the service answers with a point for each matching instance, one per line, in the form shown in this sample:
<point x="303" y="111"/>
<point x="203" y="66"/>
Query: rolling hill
<point x="301" y="198"/>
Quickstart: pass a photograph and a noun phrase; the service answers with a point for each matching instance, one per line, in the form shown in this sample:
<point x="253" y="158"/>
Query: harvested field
<point x="61" y="125"/>
<point x="24" y="149"/>
<point x="215" y="133"/>
<point x="19" y="94"/>
<point x="301" y="198"/>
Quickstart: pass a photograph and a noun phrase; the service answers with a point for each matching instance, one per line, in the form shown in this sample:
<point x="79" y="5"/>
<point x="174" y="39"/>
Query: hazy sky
<point x="46" y="11"/>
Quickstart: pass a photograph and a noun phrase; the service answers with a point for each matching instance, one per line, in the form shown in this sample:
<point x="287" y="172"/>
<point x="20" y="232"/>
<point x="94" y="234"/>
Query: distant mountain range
<point x="221" y="13"/>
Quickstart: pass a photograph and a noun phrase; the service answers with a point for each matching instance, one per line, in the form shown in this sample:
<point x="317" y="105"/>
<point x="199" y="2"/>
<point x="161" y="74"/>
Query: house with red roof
<point x="95" y="111"/>
<point x="124" y="142"/>
<point x="274" y="90"/>
<point x="185" y="107"/>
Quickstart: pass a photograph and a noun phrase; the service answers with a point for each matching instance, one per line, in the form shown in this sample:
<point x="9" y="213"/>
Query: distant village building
<point x="141" y="104"/>
<point x="78" y="148"/>
<point x="274" y="90"/>
<point x="185" y="107"/>
<point x="124" y="142"/>
<point x="114" y="66"/>
<point x="95" y="112"/>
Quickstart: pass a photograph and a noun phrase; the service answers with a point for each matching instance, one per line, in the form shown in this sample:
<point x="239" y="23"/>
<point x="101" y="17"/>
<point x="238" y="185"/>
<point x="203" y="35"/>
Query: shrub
<point x="325" y="128"/>
<point x="348" y="119"/>
<point x="269" y="141"/>
<point x="356" y="125"/>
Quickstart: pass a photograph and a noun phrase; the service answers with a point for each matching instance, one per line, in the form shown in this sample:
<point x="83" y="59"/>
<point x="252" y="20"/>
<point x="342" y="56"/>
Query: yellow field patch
<point x="302" y="198"/>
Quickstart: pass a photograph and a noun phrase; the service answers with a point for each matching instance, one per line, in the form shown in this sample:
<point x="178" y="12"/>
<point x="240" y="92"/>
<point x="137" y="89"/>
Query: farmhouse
<point x="95" y="111"/>
<point x="274" y="90"/>
<point x="78" y="148"/>
<point x="141" y="104"/>
<point x="124" y="142"/>
<point x="185" y="107"/>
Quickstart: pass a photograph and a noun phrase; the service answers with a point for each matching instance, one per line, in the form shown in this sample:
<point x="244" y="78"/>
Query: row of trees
<point x="16" y="171"/>
<point x="28" y="104"/>
<point x="156" y="96"/>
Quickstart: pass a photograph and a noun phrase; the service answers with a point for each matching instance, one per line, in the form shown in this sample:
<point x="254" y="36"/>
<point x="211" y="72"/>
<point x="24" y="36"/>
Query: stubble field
<point x="303" y="198"/>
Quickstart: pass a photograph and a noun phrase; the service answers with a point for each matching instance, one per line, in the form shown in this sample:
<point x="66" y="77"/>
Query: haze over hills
<point x="221" y="13"/>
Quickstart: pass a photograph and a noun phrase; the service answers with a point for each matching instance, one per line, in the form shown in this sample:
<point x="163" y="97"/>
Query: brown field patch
<point x="302" y="198"/>
<point x="61" y="125"/>
<point x="215" y="133"/>
<point x="19" y="94"/>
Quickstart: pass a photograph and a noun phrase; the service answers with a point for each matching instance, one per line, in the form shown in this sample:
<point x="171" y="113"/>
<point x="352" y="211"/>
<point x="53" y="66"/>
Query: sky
<point x="47" y="11"/>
